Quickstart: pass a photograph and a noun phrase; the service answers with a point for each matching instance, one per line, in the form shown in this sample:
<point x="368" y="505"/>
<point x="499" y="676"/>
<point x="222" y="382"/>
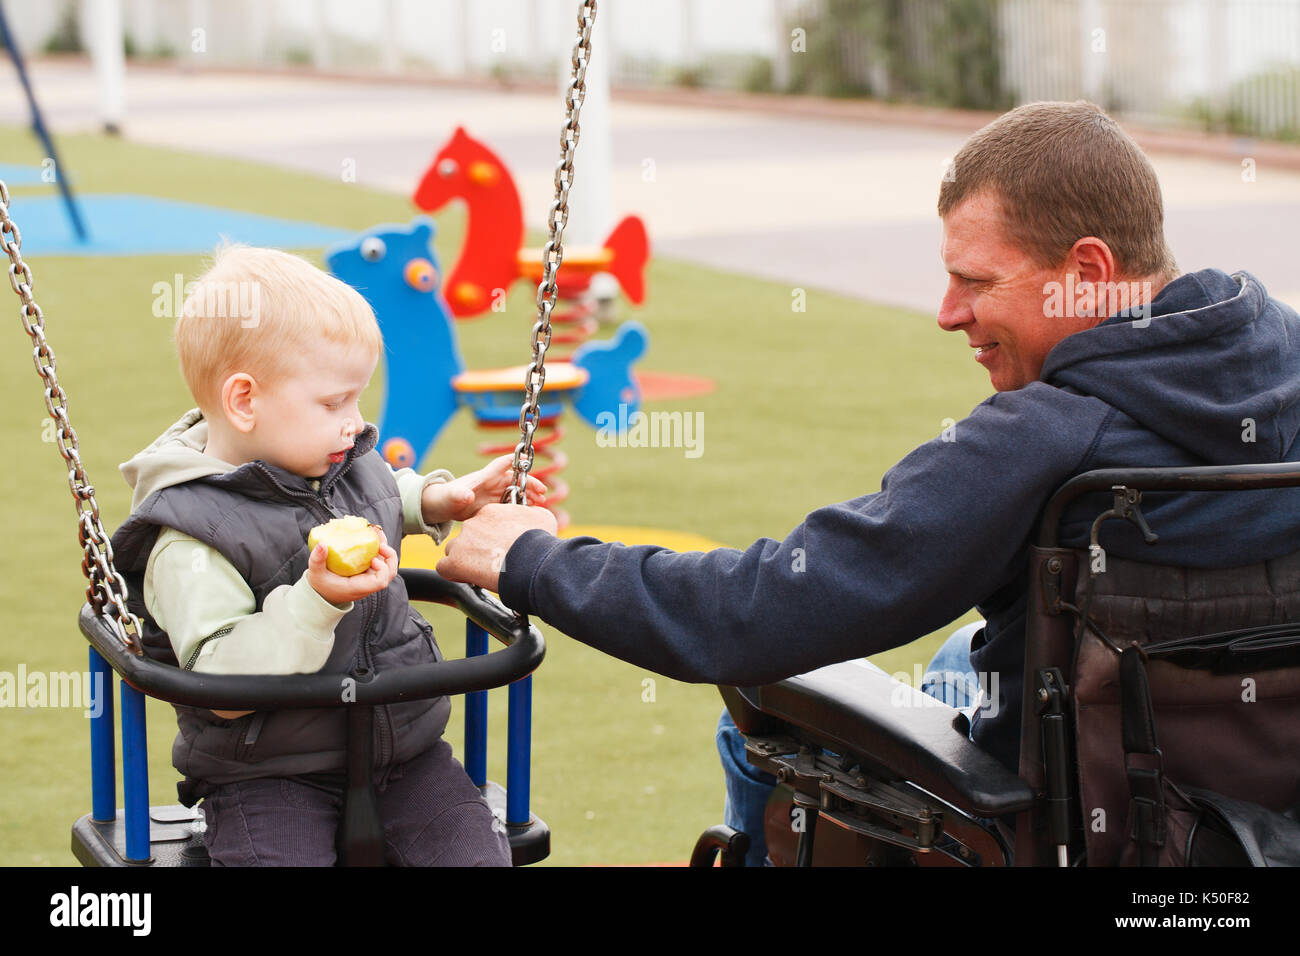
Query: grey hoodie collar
<point x="176" y="456"/>
<point x="1216" y="370"/>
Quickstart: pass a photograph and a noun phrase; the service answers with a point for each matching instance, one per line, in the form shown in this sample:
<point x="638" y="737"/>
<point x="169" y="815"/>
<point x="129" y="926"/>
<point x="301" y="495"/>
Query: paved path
<point x="818" y="203"/>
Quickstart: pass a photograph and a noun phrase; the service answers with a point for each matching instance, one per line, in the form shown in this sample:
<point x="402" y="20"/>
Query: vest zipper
<point x="321" y="509"/>
<point x="383" y="719"/>
<point x="363" y="658"/>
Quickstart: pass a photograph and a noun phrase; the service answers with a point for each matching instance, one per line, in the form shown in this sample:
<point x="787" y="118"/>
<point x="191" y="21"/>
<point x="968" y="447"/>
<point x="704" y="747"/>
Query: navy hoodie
<point x="1210" y="377"/>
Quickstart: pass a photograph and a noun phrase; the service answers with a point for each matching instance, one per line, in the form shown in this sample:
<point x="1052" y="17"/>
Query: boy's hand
<point x="462" y="498"/>
<point x="339" y="589"/>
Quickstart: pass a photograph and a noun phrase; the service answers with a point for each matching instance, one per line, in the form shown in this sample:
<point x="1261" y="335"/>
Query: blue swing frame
<point x="94" y="835"/>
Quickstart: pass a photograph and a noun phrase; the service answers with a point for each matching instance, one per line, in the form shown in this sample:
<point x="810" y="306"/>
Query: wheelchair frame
<point x="911" y="788"/>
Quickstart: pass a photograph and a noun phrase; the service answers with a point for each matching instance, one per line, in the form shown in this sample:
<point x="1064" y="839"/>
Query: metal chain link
<point x="105" y="589"/>
<point x="552" y="255"/>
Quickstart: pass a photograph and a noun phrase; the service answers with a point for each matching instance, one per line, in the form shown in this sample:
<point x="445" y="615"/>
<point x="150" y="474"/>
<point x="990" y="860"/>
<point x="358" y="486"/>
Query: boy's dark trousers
<point x="432" y="815"/>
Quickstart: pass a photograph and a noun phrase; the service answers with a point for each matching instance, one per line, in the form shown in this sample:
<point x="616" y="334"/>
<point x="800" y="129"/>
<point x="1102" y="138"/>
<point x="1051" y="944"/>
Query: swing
<point x="166" y="836"/>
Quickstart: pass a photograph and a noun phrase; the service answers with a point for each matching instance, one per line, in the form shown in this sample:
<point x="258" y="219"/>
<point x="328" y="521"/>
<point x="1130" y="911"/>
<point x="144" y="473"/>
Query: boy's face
<point x="307" y="420"/>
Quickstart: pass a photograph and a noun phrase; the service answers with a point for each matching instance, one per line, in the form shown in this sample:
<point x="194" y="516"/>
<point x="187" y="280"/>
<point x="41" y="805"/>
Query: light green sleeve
<point x="208" y="612"/>
<point x="411" y="485"/>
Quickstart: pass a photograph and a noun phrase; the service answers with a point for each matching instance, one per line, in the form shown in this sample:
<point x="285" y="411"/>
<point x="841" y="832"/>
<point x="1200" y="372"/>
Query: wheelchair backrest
<point x="1226" y="697"/>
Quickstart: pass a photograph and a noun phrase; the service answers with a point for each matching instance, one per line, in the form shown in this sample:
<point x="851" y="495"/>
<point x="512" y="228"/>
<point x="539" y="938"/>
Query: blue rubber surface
<point x="15" y="175"/>
<point x="126" y="225"/>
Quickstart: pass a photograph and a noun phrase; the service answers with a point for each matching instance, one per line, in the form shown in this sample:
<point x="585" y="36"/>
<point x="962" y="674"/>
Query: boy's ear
<point x="237" y="400"/>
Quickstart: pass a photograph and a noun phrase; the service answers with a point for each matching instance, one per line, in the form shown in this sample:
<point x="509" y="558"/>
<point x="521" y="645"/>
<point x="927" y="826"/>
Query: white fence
<point x="1224" y="64"/>
<point x="1231" y="64"/>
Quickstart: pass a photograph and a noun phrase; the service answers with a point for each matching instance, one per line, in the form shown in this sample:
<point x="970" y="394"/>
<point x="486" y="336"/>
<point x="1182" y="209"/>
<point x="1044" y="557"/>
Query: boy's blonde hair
<point x="254" y="310"/>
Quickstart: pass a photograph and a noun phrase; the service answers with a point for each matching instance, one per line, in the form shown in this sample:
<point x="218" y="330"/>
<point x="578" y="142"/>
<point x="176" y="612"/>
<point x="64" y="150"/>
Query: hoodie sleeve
<point x="208" y="611"/>
<point x="945" y="531"/>
<point x="411" y="485"/>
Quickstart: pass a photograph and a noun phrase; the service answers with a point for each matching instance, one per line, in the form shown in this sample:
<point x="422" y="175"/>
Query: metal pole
<point x="110" y="63"/>
<point x="591" y="197"/>
<point x="135" y="774"/>
<point x="390" y="38"/>
<point x="476" y="714"/>
<point x="103" y="768"/>
<point x="519" y="745"/>
<point x="38" y="125"/>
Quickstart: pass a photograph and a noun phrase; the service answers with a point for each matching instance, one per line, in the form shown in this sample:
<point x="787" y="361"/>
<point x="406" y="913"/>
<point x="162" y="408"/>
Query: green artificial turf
<point x="810" y="408"/>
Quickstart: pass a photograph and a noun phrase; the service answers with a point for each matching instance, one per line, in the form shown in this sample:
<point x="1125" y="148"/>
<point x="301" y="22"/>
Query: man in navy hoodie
<point x="1101" y="356"/>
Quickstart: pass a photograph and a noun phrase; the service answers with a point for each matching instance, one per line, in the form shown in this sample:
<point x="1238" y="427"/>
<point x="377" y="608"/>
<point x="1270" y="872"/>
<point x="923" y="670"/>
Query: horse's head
<point x="389" y="264"/>
<point x="463" y="168"/>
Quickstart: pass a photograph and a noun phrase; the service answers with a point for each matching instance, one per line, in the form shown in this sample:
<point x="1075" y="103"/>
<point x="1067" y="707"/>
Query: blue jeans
<point x="948" y="678"/>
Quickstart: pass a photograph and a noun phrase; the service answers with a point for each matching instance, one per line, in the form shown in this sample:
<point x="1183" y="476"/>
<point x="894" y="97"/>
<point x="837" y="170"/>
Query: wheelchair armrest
<point x="854" y="710"/>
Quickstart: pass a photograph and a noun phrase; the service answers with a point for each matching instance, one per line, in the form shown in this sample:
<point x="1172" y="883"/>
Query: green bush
<point x="758" y="78"/>
<point x="1236" y="115"/>
<point x="868" y="48"/>
<point x="66" y="37"/>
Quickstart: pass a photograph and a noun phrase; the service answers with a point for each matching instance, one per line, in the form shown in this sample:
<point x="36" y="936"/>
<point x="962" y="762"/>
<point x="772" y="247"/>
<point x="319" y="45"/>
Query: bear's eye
<point x="447" y="168"/>
<point x="373" y="249"/>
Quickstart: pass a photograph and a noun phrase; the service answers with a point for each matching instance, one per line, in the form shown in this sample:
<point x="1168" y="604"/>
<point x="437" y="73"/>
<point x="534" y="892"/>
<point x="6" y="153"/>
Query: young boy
<point x="276" y="354"/>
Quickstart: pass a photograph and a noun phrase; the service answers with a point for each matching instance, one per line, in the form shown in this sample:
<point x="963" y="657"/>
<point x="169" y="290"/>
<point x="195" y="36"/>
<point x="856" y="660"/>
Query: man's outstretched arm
<point x="946" y="530"/>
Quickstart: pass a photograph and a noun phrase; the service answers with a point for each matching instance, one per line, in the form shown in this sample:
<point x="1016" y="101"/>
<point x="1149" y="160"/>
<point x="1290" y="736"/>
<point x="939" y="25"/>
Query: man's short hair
<point x="254" y="310"/>
<point x="1063" y="171"/>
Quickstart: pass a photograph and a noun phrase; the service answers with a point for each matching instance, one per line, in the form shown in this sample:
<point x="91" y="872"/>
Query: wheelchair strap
<point x="1143" y="762"/>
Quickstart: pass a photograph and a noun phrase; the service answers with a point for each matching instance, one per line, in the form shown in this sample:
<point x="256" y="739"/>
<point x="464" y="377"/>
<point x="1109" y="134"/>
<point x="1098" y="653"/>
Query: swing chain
<point x="552" y="255"/>
<point x="105" y="585"/>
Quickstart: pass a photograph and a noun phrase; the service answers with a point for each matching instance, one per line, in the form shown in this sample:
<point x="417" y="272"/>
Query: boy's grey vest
<point x="258" y="517"/>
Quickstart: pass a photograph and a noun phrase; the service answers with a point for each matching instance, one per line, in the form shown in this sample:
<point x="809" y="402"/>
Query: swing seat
<point x="176" y="836"/>
<point x="584" y="259"/>
<point x="1169" y="736"/>
<point x="495" y="395"/>
<point x="139" y="835"/>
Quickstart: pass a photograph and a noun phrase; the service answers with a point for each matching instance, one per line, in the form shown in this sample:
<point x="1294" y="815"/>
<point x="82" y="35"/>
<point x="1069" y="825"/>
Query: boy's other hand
<point x="461" y="498"/>
<point x="338" y="589"/>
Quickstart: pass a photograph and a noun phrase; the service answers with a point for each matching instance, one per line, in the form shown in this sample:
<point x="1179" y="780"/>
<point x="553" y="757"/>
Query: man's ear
<point x="237" y="400"/>
<point x="1091" y="259"/>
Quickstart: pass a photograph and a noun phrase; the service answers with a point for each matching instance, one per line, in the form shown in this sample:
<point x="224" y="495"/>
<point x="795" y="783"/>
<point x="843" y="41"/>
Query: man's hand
<point x="462" y="497"/>
<point x="338" y="589"/>
<point x="477" y="555"/>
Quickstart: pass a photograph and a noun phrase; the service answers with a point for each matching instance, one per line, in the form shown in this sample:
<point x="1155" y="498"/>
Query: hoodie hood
<point x="1214" y="361"/>
<point x="176" y="456"/>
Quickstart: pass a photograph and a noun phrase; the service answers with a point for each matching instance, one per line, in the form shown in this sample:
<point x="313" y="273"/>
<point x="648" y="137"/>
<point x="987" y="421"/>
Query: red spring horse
<point x="491" y="258"/>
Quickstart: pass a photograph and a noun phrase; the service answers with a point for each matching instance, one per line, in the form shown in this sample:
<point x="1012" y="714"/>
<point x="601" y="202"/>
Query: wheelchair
<point x="165" y="836"/>
<point x="1160" y="720"/>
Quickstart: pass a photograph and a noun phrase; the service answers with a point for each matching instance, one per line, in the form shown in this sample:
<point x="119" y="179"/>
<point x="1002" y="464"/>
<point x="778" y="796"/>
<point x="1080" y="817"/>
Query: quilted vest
<point x="258" y="517"/>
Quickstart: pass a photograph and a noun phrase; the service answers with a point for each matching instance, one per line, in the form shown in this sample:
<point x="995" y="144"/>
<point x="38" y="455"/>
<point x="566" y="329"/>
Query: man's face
<point x="995" y="295"/>
<point x="306" y="420"/>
